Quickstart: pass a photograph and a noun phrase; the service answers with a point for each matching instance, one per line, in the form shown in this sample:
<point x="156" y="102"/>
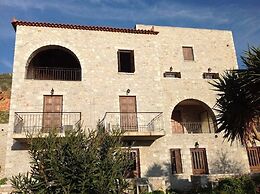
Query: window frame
<point x="132" y="61"/>
<point x="176" y="161"/>
<point x="136" y="172"/>
<point x="192" y="53"/>
<point x="198" y="162"/>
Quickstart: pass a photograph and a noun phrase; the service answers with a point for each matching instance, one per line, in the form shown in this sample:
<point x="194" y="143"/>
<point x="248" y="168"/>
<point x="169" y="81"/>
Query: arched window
<point x="193" y="116"/>
<point x="53" y="63"/>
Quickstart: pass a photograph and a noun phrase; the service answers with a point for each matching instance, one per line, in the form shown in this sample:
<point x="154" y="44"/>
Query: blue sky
<point x="240" y="16"/>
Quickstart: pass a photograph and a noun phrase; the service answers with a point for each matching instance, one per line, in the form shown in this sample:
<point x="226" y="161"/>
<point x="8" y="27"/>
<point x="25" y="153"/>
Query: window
<point x="172" y="74"/>
<point x="210" y="75"/>
<point x="253" y="154"/>
<point x="134" y="169"/>
<point x="126" y="61"/>
<point x="176" y="161"/>
<point x="188" y="53"/>
<point x="199" y="161"/>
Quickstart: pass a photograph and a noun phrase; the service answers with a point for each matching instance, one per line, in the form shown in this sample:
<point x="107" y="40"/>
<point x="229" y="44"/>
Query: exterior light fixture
<point x="52" y="91"/>
<point x="209" y="70"/>
<point x="197" y="144"/>
<point x="171" y="69"/>
<point x="127" y="91"/>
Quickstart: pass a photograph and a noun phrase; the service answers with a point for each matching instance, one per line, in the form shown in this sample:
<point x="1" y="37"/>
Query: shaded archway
<point x="53" y="63"/>
<point x="193" y="116"/>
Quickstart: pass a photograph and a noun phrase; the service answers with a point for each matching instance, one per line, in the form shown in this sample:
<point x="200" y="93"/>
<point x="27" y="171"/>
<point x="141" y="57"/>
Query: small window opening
<point x="126" y="61"/>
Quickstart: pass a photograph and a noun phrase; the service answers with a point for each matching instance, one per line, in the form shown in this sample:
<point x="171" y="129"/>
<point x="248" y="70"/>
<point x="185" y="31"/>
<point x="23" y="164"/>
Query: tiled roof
<point x="81" y="27"/>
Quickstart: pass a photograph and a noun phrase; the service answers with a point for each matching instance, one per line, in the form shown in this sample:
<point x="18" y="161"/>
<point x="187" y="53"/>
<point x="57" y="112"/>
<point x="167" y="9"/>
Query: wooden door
<point x="52" y="113"/>
<point x="253" y="154"/>
<point x="128" y="115"/>
<point x="199" y="161"/>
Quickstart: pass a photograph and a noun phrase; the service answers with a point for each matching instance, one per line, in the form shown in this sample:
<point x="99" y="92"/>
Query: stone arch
<point x="193" y="116"/>
<point x="53" y="62"/>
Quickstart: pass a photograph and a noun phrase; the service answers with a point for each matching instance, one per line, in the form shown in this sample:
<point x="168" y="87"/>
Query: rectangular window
<point x="176" y="161"/>
<point x="188" y="53"/>
<point x="134" y="169"/>
<point x="253" y="154"/>
<point x="126" y="61"/>
<point x="210" y="75"/>
<point x="199" y="161"/>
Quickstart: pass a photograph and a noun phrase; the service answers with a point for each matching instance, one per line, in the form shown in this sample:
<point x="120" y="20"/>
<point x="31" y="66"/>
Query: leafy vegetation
<point x="3" y="181"/>
<point x="238" y="102"/>
<point x="5" y="93"/>
<point x="89" y="163"/>
<point x="5" y="82"/>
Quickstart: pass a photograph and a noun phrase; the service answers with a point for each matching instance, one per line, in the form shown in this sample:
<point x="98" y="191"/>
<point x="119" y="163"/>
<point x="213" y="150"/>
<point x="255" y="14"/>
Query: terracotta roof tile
<point x="81" y="27"/>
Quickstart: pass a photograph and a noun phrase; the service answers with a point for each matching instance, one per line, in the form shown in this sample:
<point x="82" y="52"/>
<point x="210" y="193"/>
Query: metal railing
<point x="133" y="121"/>
<point x="55" y="73"/>
<point x="34" y="122"/>
<point x="192" y="127"/>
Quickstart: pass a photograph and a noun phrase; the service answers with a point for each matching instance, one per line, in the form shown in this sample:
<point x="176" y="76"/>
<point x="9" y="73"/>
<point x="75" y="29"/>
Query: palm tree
<point x="238" y="101"/>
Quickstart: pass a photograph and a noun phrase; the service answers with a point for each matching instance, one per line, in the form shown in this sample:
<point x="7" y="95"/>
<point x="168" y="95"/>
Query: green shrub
<point x="89" y="163"/>
<point x="157" y="192"/>
<point x="239" y="185"/>
<point x="4" y="116"/>
<point x="3" y="181"/>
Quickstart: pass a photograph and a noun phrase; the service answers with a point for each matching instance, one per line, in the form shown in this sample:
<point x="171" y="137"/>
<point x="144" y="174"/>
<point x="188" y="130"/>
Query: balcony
<point x="193" y="116"/>
<point x="42" y="122"/>
<point x="135" y="125"/>
<point x="52" y="73"/>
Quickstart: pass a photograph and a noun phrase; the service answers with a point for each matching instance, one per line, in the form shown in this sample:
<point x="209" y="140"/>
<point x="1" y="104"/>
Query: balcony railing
<point x="35" y="122"/>
<point x="52" y="73"/>
<point x="192" y="127"/>
<point x="134" y="121"/>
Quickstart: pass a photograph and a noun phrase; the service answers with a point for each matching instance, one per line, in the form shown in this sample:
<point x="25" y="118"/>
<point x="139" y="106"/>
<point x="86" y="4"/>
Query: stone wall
<point x="3" y="136"/>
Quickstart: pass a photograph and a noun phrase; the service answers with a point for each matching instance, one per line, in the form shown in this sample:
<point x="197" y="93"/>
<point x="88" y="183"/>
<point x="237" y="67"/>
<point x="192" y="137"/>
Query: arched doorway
<point x="193" y="116"/>
<point x="53" y="63"/>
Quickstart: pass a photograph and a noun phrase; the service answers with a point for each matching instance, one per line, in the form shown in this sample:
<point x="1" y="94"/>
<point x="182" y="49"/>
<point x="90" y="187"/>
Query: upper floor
<point x="143" y="79"/>
<point x="46" y="51"/>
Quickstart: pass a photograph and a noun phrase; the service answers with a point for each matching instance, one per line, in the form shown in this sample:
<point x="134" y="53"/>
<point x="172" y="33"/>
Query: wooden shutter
<point x="128" y="116"/>
<point x="199" y="161"/>
<point x="176" y="163"/>
<point x="176" y="122"/>
<point x="253" y="154"/>
<point x="52" y="111"/>
<point x="188" y="53"/>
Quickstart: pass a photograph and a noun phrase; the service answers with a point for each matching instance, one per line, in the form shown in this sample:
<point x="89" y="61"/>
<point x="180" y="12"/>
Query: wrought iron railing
<point x="55" y="73"/>
<point x="134" y="121"/>
<point x="34" y="122"/>
<point x="192" y="127"/>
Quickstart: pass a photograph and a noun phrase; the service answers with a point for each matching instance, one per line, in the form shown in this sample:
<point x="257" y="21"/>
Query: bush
<point x="157" y="192"/>
<point x="92" y="163"/>
<point x="3" y="181"/>
<point x="239" y="185"/>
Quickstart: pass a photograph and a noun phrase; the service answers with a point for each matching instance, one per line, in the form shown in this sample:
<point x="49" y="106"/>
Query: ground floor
<point x="177" y="161"/>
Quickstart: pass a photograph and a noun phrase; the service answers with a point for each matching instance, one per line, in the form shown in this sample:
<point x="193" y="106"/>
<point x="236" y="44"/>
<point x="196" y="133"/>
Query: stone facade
<point x="102" y="84"/>
<point x="3" y="135"/>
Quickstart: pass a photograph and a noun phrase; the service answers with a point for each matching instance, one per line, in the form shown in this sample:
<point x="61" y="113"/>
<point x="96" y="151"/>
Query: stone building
<point x="150" y="81"/>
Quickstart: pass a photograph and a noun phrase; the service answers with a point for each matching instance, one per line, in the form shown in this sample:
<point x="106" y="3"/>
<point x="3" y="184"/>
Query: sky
<point x="242" y="17"/>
